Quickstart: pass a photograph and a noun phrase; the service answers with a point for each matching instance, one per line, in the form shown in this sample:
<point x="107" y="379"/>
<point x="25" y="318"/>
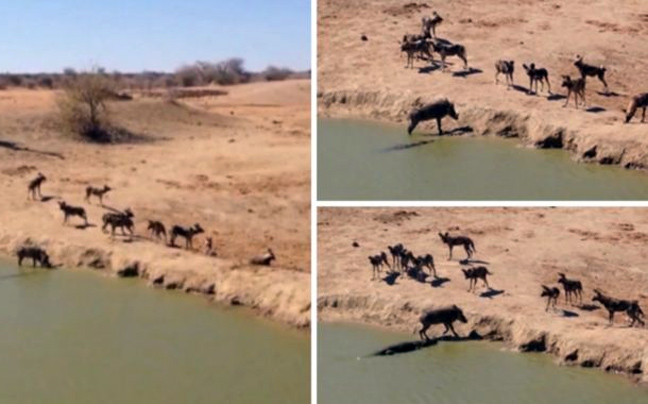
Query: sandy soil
<point x="369" y="79"/>
<point x="523" y="248"/>
<point x="237" y="164"/>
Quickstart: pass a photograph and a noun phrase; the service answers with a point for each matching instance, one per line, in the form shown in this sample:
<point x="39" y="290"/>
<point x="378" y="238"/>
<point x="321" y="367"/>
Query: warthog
<point x="631" y="307"/>
<point x="37" y="255"/>
<point x="436" y="110"/>
<point x="445" y="316"/>
<point x="552" y="295"/>
<point x="451" y="241"/>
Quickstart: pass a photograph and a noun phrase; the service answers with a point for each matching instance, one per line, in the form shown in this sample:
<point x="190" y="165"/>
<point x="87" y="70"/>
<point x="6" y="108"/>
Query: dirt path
<point x="368" y="78"/>
<point x="523" y="248"/>
<point x="242" y="172"/>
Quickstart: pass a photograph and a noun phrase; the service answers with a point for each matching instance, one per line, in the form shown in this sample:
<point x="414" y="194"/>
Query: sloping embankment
<point x="272" y="292"/>
<point x="572" y="347"/>
<point x="595" y="144"/>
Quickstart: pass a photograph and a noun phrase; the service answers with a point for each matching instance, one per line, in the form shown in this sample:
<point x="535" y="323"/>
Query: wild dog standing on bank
<point x="572" y="287"/>
<point x="156" y="229"/>
<point x="413" y="46"/>
<point x="34" y="187"/>
<point x="37" y="255"/>
<point x="590" y="70"/>
<point x="445" y="316"/>
<point x="436" y="110"/>
<point x="445" y="50"/>
<point x="540" y="75"/>
<point x="577" y="87"/>
<point x="472" y="274"/>
<point x="631" y="307"/>
<point x="638" y="101"/>
<point x="507" y="68"/>
<point x="429" y="24"/>
<point x="98" y="192"/>
<point x="552" y="295"/>
<point x="464" y="241"/>
<point x="395" y="252"/>
<point x="377" y="262"/>
<point x="264" y="259"/>
<point x="122" y="220"/>
<point x="187" y="233"/>
<point x="69" y="210"/>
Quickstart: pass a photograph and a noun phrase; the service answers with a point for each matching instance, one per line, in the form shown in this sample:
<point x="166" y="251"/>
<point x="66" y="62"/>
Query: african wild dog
<point x="156" y="229"/>
<point x="436" y="110"/>
<point x="37" y="255"/>
<point x="415" y="46"/>
<point x="69" y="210"/>
<point x="445" y="50"/>
<point x="187" y="233"/>
<point x="589" y="70"/>
<point x="395" y="252"/>
<point x="122" y="220"/>
<point x="429" y="24"/>
<point x="472" y="274"/>
<point x="34" y="186"/>
<point x="98" y="192"/>
<point x="507" y="68"/>
<point x="631" y="307"/>
<point x="577" y="87"/>
<point x="638" y="101"/>
<point x="451" y="241"/>
<point x="265" y="259"/>
<point x="377" y="262"/>
<point x="536" y="76"/>
<point x="445" y="316"/>
<point x="571" y="286"/>
<point x="552" y="295"/>
<point x="428" y="261"/>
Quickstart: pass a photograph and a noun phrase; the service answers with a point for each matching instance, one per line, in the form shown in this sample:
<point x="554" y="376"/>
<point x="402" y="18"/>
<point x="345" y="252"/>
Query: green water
<point x="77" y="337"/>
<point x="369" y="161"/>
<point x="453" y="373"/>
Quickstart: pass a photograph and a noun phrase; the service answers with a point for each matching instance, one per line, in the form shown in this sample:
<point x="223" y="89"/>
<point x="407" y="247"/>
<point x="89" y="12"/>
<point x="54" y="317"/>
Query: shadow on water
<point x="490" y="293"/>
<point x="438" y="282"/>
<point x="411" y="346"/>
<point x="406" y="146"/>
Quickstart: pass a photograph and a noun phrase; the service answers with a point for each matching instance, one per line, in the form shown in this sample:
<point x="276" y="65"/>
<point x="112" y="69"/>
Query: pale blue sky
<point x="136" y="35"/>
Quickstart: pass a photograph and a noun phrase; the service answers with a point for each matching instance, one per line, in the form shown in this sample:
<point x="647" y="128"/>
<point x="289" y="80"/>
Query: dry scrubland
<point x="238" y="164"/>
<point x="524" y="248"/>
<point x="369" y="79"/>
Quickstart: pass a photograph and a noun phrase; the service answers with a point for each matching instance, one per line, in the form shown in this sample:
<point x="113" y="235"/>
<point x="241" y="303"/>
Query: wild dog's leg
<point x="468" y="253"/>
<point x="611" y="316"/>
<point x="453" y="330"/>
<point x="643" y="116"/>
<point x="450" y="247"/>
<point x="20" y="259"/>
<point x="548" y="302"/>
<point x="423" y="332"/>
<point x="439" y="126"/>
<point x="601" y="77"/>
<point x="497" y="74"/>
<point x="548" y="84"/>
<point x="486" y="282"/>
<point x="447" y="328"/>
<point x="568" y="95"/>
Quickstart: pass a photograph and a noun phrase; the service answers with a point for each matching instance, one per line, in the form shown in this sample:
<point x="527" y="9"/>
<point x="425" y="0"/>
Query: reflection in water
<point x="369" y="161"/>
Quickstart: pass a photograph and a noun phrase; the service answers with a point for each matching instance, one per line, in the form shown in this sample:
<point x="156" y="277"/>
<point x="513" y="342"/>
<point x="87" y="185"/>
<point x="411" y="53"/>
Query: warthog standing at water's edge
<point x="37" y="255"/>
<point x="445" y="316"/>
<point x="436" y="110"/>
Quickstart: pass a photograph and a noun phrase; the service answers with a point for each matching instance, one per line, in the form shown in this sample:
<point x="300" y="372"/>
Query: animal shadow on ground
<point x="567" y="313"/>
<point x="608" y="94"/>
<point x="519" y="88"/>
<point x="410" y="346"/>
<point x="589" y="307"/>
<point x="406" y="146"/>
<point x="595" y="110"/>
<point x="15" y="147"/>
<point x="556" y="97"/>
<point x="48" y="198"/>
<point x="490" y="293"/>
<point x="469" y="261"/>
<point x="468" y="72"/>
<point x="391" y="277"/>
<point x="438" y="282"/>
<point x="84" y="226"/>
<point x="429" y="69"/>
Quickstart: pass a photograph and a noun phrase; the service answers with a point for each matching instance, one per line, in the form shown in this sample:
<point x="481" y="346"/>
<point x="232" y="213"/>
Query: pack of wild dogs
<point x="424" y="45"/>
<point x="401" y="262"/>
<point x="125" y="222"/>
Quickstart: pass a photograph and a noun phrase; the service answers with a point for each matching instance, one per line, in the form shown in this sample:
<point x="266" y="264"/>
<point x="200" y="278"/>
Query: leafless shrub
<point x="273" y="73"/>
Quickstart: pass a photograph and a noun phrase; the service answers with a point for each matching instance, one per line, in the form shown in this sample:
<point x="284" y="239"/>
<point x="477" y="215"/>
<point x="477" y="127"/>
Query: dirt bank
<point x="238" y="164"/>
<point x="523" y="248"/>
<point x="368" y="79"/>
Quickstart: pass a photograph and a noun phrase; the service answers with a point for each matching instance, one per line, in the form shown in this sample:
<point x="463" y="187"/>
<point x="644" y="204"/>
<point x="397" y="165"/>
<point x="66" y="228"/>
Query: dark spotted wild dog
<point x="187" y="233"/>
<point x="97" y="192"/>
<point x="446" y="316"/>
<point x="36" y="254"/>
<point x="507" y="68"/>
<point x="590" y="70"/>
<point x="34" y="186"/>
<point x="263" y="260"/>
<point x="436" y="110"/>
<point x="475" y="273"/>
<point x="122" y="220"/>
<point x="415" y="48"/>
<point x="576" y="87"/>
<point x="377" y="262"/>
<point x="537" y="75"/>
<point x="69" y="211"/>
<point x="429" y="24"/>
<point x="156" y="229"/>
<point x="572" y="287"/>
<point x="444" y="50"/>
<point x="631" y="307"/>
<point x="464" y="241"/>
<point x="552" y="294"/>
<point x="395" y="252"/>
<point x="428" y="261"/>
<point x="638" y="101"/>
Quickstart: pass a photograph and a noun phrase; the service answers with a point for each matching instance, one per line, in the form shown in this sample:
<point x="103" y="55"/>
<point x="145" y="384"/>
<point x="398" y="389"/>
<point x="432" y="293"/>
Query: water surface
<point x="360" y="160"/>
<point x="77" y="337"/>
<point x="453" y="373"/>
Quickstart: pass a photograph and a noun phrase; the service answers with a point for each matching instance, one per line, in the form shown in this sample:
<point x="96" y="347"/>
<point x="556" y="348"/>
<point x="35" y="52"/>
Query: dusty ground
<point x="237" y="164"/>
<point x="523" y="248"/>
<point x="369" y="78"/>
